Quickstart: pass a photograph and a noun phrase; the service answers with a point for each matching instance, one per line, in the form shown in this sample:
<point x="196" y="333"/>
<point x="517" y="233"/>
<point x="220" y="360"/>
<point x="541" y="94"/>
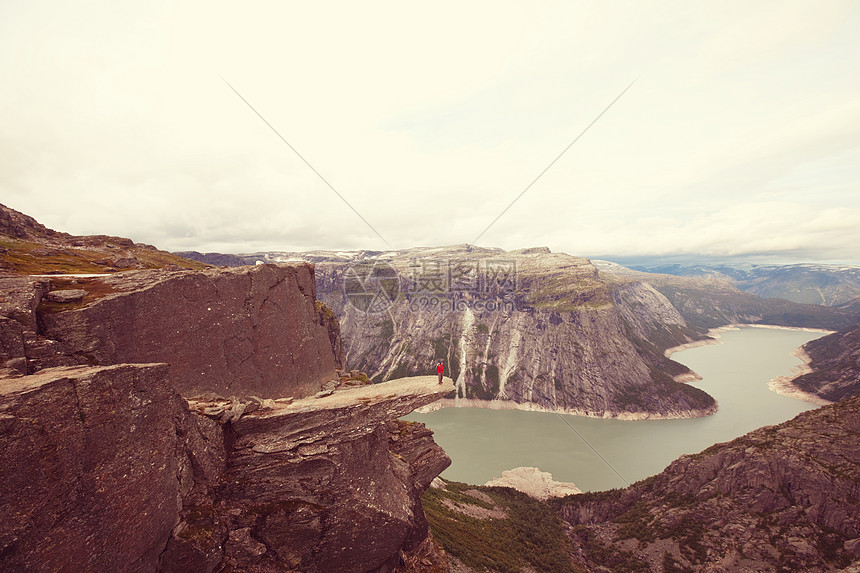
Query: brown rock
<point x="21" y="296"/>
<point x="315" y="488"/>
<point x="835" y="363"/>
<point x="250" y="330"/>
<point x="21" y="226"/>
<point x="12" y="353"/>
<point x="85" y="441"/>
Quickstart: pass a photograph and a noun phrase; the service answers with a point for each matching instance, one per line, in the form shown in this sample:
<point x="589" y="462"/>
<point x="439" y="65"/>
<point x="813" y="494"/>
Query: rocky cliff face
<point x="527" y="328"/>
<point x="780" y="498"/>
<point x="101" y="462"/>
<point x="329" y="485"/>
<point x="835" y="363"/>
<point x="113" y="472"/>
<point x="254" y="330"/>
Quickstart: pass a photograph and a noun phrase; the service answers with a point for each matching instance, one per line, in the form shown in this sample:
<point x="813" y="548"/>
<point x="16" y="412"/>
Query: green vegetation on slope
<point x="524" y="532"/>
<point x="32" y="258"/>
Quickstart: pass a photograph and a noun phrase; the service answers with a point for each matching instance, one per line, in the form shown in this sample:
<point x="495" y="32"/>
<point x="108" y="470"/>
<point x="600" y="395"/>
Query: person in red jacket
<point x="441" y="370"/>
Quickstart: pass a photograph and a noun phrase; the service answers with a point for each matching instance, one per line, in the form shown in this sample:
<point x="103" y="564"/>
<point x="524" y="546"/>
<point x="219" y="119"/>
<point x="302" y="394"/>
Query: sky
<point x="738" y="138"/>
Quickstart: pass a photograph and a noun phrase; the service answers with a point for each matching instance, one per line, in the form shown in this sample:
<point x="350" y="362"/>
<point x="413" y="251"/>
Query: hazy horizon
<point x="739" y="138"/>
<point x="624" y="260"/>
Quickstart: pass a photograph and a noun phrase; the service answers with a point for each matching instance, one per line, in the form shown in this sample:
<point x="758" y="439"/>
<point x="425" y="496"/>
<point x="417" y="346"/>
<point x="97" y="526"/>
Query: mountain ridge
<point x="28" y="247"/>
<point x="811" y="283"/>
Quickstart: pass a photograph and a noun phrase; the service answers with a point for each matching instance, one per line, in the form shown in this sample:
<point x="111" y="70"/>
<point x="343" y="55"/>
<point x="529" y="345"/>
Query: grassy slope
<point x="28" y="257"/>
<point x="531" y="537"/>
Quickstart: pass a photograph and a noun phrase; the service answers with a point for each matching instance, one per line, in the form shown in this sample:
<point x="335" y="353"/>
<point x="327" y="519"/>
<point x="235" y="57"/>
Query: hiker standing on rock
<point x="441" y="370"/>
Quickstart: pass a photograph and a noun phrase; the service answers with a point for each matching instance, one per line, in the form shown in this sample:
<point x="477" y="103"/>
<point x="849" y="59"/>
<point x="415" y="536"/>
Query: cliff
<point x="835" y="363"/>
<point x="329" y="484"/>
<point x="98" y="470"/>
<point x="114" y="472"/>
<point x="526" y="328"/>
<point x="254" y="330"/>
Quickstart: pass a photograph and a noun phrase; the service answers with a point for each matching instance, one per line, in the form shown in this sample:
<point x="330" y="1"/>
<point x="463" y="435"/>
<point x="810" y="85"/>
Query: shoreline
<point x="713" y="335"/>
<point x="532" y="407"/>
<point x="782" y="385"/>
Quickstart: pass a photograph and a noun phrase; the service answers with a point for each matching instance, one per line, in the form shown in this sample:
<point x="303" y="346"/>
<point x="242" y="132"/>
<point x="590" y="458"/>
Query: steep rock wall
<point x="561" y="338"/>
<point x="252" y="330"/>
<point x="19" y="298"/>
<point x="94" y="467"/>
<point x="316" y="488"/>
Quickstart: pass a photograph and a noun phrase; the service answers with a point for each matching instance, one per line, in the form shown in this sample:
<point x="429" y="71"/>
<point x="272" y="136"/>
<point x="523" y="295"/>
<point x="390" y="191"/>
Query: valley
<point x="240" y="398"/>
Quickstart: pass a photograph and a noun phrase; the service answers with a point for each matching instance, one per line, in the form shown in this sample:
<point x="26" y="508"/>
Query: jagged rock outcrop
<point x="95" y="463"/>
<point x="255" y="330"/>
<point x="113" y="472"/>
<point x="783" y="497"/>
<point x="318" y="485"/>
<point x="19" y="298"/>
<point x="20" y="226"/>
<point x="835" y="363"/>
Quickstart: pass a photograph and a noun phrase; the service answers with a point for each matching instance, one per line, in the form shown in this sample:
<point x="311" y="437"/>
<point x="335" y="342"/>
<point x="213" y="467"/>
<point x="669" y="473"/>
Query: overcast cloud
<point x="740" y="136"/>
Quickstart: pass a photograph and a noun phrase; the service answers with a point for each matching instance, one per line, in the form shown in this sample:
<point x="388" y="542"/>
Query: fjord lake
<point x="484" y="442"/>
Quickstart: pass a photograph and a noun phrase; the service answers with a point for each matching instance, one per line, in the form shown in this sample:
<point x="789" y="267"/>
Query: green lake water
<point x="483" y="442"/>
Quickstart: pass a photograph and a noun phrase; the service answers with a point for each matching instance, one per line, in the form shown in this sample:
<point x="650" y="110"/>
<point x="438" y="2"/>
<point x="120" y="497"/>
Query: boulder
<point x="66" y="295"/>
<point x="533" y="482"/>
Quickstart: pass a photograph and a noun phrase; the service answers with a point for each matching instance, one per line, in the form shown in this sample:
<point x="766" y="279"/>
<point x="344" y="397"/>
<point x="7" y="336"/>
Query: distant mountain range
<point x="828" y="285"/>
